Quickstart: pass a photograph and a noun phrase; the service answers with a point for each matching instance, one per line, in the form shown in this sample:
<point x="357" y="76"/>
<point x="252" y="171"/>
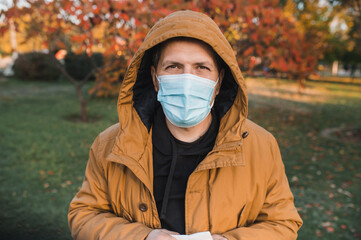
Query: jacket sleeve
<point x="278" y="218"/>
<point x="90" y="214"/>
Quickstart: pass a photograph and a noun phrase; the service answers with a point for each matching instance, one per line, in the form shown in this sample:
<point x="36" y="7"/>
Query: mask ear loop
<point x="156" y="77"/>
<point x="213" y="91"/>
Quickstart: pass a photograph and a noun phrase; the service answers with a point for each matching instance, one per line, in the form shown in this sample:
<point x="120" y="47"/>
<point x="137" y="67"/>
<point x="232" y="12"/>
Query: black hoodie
<point x="170" y="183"/>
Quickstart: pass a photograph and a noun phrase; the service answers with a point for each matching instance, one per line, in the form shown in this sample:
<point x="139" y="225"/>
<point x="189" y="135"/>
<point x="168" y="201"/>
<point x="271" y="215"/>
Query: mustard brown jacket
<point x="239" y="190"/>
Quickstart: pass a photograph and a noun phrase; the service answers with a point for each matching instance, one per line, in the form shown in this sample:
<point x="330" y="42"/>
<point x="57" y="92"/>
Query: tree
<point x="262" y="35"/>
<point x="349" y="13"/>
<point x="66" y="25"/>
<point x="333" y="27"/>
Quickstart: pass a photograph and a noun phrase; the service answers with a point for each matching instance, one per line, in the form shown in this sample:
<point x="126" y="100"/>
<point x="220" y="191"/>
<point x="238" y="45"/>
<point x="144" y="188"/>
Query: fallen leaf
<point x="329" y="213"/>
<point x="330" y="229"/>
<point x="318" y="233"/>
<point x="330" y="176"/>
<point x="326" y="224"/>
<point x="339" y="205"/>
<point x="294" y="179"/>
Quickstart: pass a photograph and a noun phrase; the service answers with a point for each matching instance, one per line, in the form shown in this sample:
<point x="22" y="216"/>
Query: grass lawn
<point x="43" y="156"/>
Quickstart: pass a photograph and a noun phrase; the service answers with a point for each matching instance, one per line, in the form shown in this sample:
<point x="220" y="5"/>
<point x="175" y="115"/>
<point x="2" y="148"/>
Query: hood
<point x="138" y="100"/>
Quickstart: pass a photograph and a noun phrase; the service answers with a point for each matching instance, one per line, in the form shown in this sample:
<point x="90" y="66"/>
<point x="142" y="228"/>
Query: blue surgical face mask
<point x="185" y="98"/>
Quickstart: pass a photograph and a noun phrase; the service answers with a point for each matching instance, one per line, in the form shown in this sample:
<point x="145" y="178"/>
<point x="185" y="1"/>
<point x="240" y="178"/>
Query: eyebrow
<point x="170" y="62"/>
<point x="208" y="63"/>
<point x="204" y="63"/>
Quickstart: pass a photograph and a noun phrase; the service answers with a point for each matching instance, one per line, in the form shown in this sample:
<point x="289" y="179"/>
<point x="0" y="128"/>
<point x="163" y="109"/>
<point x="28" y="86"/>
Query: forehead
<point x="187" y="49"/>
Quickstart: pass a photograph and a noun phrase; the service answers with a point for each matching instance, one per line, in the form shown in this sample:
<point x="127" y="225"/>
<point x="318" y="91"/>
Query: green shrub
<point x="35" y="66"/>
<point x="79" y="65"/>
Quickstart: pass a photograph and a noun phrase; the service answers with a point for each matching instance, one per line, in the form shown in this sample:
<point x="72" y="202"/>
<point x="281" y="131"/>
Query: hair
<point x="157" y="51"/>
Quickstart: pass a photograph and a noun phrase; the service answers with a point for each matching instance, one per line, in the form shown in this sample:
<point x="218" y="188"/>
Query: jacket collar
<point x="226" y="153"/>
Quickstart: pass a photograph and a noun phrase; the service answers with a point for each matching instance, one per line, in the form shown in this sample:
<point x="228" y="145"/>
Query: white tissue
<point x="195" y="236"/>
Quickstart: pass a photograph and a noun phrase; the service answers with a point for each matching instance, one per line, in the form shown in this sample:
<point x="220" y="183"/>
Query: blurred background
<point x="62" y="63"/>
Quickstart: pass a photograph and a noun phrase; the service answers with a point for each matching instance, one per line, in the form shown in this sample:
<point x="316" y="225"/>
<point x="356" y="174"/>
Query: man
<point x="184" y="158"/>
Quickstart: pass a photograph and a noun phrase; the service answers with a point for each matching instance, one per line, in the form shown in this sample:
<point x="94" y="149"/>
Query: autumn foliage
<point x="268" y="41"/>
<point x="265" y="39"/>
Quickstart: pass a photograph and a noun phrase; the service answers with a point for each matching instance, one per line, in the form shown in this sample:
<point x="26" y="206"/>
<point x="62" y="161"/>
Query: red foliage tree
<point x="263" y="37"/>
<point x="82" y="26"/>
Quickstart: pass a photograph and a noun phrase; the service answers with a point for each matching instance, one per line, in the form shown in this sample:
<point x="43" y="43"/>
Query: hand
<point x="218" y="237"/>
<point x="161" y="234"/>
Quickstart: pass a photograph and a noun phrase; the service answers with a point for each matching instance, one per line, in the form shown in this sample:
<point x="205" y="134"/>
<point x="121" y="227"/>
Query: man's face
<point x="179" y="57"/>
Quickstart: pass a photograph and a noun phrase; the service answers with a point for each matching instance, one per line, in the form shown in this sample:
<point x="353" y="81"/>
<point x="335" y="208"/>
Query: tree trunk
<point x="84" y="114"/>
<point x="301" y="85"/>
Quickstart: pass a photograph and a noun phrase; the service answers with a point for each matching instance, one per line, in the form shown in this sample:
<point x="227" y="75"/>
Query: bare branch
<point x="87" y="77"/>
<point x="62" y="69"/>
<point x="94" y="92"/>
<point x="102" y="79"/>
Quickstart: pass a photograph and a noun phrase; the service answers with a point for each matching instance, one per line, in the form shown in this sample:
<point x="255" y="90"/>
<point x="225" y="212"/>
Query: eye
<point x="203" y="67"/>
<point x="173" y="66"/>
